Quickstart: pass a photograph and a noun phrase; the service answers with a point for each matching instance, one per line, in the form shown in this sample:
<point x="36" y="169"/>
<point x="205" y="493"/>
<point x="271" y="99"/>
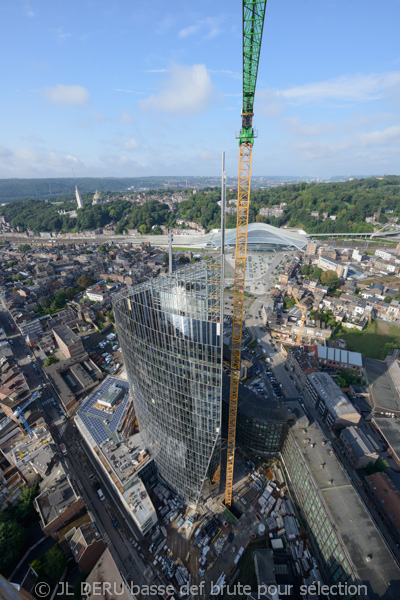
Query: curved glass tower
<point x="171" y="338"/>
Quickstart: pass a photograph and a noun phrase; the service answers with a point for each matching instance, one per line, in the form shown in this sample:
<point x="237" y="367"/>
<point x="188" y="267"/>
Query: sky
<point x="132" y="88"/>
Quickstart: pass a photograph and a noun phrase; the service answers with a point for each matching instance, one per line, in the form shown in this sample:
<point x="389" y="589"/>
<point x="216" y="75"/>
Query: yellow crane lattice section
<point x="243" y="204"/>
<point x="303" y="318"/>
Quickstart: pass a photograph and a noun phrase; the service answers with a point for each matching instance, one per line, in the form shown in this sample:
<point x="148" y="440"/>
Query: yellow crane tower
<point x="303" y="317"/>
<point x="253" y="23"/>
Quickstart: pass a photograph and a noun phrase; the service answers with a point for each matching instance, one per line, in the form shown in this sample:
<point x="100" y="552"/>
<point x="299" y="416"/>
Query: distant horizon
<point x="218" y="176"/>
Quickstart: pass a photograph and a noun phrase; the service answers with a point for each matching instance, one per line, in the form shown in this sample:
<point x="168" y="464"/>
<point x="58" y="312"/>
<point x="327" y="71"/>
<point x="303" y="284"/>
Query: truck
<point x="63" y="449"/>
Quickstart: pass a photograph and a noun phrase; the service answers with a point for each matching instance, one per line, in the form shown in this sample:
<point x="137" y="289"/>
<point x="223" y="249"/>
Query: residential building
<point x="86" y="545"/>
<point x="106" y="570"/>
<point x="68" y="342"/>
<point x="72" y="379"/>
<point x="385" y="497"/>
<point x="328" y="264"/>
<point x="383" y="254"/>
<point x="334" y="358"/>
<point x="357" y="448"/>
<point x="312" y="248"/>
<point x="171" y="339"/>
<point x="335" y="409"/>
<point x="301" y="363"/>
<point x="58" y="502"/>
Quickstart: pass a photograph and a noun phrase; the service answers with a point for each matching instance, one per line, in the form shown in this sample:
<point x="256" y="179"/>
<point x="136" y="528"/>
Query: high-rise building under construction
<point x="170" y="334"/>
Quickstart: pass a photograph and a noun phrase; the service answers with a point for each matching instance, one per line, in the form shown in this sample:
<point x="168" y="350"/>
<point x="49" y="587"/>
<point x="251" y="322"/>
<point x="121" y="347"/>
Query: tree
<point x="24" y="508"/>
<point x="50" y="360"/>
<point x="24" y="247"/>
<point x="316" y="273"/>
<point x="379" y="466"/>
<point x="59" y="299"/>
<point x="165" y="257"/>
<point x="289" y="302"/>
<point x="70" y="293"/>
<point x="44" y="302"/>
<point x="54" y="563"/>
<point x="330" y="279"/>
<point x="387" y="299"/>
<point x="85" y="281"/>
<point x="12" y="539"/>
<point x="306" y="270"/>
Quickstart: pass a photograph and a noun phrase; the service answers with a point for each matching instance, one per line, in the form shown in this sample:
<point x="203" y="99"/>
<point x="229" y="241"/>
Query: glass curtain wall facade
<point x="170" y="335"/>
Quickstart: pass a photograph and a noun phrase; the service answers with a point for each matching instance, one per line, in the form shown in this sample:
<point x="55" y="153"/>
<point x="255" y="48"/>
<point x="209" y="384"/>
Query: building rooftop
<point x="358" y="441"/>
<point x="57" y="493"/>
<point x="337" y="355"/>
<point x="335" y="401"/>
<point x="83" y="537"/>
<point x="71" y="378"/>
<point x="349" y="517"/>
<point x="139" y="502"/>
<point x="106" y="570"/>
<point x="101" y="421"/>
<point x="66" y="334"/>
<point x="255" y="407"/>
<point x="390" y="429"/>
<point x="22" y="449"/>
<point x="385" y="490"/>
<point x="384" y="384"/>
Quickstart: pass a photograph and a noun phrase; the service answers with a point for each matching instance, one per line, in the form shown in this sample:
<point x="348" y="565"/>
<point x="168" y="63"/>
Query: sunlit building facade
<point x="170" y="335"/>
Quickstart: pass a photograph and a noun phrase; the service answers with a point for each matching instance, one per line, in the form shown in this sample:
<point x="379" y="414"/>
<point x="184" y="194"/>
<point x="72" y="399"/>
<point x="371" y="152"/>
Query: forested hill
<point x="350" y="202"/>
<point x="40" y="189"/>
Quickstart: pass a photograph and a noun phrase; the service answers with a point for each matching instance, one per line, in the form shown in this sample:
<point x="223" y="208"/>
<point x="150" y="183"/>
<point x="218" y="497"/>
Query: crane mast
<point x="303" y="318"/>
<point x="253" y="23"/>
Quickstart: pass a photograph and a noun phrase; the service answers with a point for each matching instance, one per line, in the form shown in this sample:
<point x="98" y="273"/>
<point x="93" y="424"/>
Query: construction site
<point x="215" y="548"/>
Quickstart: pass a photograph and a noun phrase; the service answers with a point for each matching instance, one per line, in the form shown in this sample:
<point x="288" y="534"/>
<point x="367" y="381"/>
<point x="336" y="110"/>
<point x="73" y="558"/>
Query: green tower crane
<point x="253" y="23"/>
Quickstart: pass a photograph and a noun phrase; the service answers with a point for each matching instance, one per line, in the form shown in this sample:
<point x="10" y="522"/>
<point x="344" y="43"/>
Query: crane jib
<point x="253" y="23"/>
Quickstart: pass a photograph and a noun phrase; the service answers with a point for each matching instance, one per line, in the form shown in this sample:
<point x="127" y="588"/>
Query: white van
<point x="101" y="495"/>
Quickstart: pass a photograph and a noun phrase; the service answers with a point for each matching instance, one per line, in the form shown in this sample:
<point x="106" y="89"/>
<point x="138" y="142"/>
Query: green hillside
<point x="350" y="202"/>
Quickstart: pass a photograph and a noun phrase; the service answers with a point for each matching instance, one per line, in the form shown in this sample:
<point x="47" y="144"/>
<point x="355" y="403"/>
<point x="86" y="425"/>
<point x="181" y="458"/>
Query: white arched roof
<point x="261" y="234"/>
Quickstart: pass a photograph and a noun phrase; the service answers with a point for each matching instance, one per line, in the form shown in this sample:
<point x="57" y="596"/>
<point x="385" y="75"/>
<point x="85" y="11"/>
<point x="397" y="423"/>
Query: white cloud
<point x="127" y="91"/>
<point x="67" y="95"/>
<point x="347" y="147"/>
<point x="131" y="144"/>
<point x="226" y="72"/>
<point x="156" y="71"/>
<point x="296" y="127"/>
<point x="28" y="9"/>
<point x="32" y="162"/>
<point x="207" y="28"/>
<point x="379" y="138"/>
<point x="347" y="88"/>
<point x="188" y="90"/>
<point x="187" y="31"/>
